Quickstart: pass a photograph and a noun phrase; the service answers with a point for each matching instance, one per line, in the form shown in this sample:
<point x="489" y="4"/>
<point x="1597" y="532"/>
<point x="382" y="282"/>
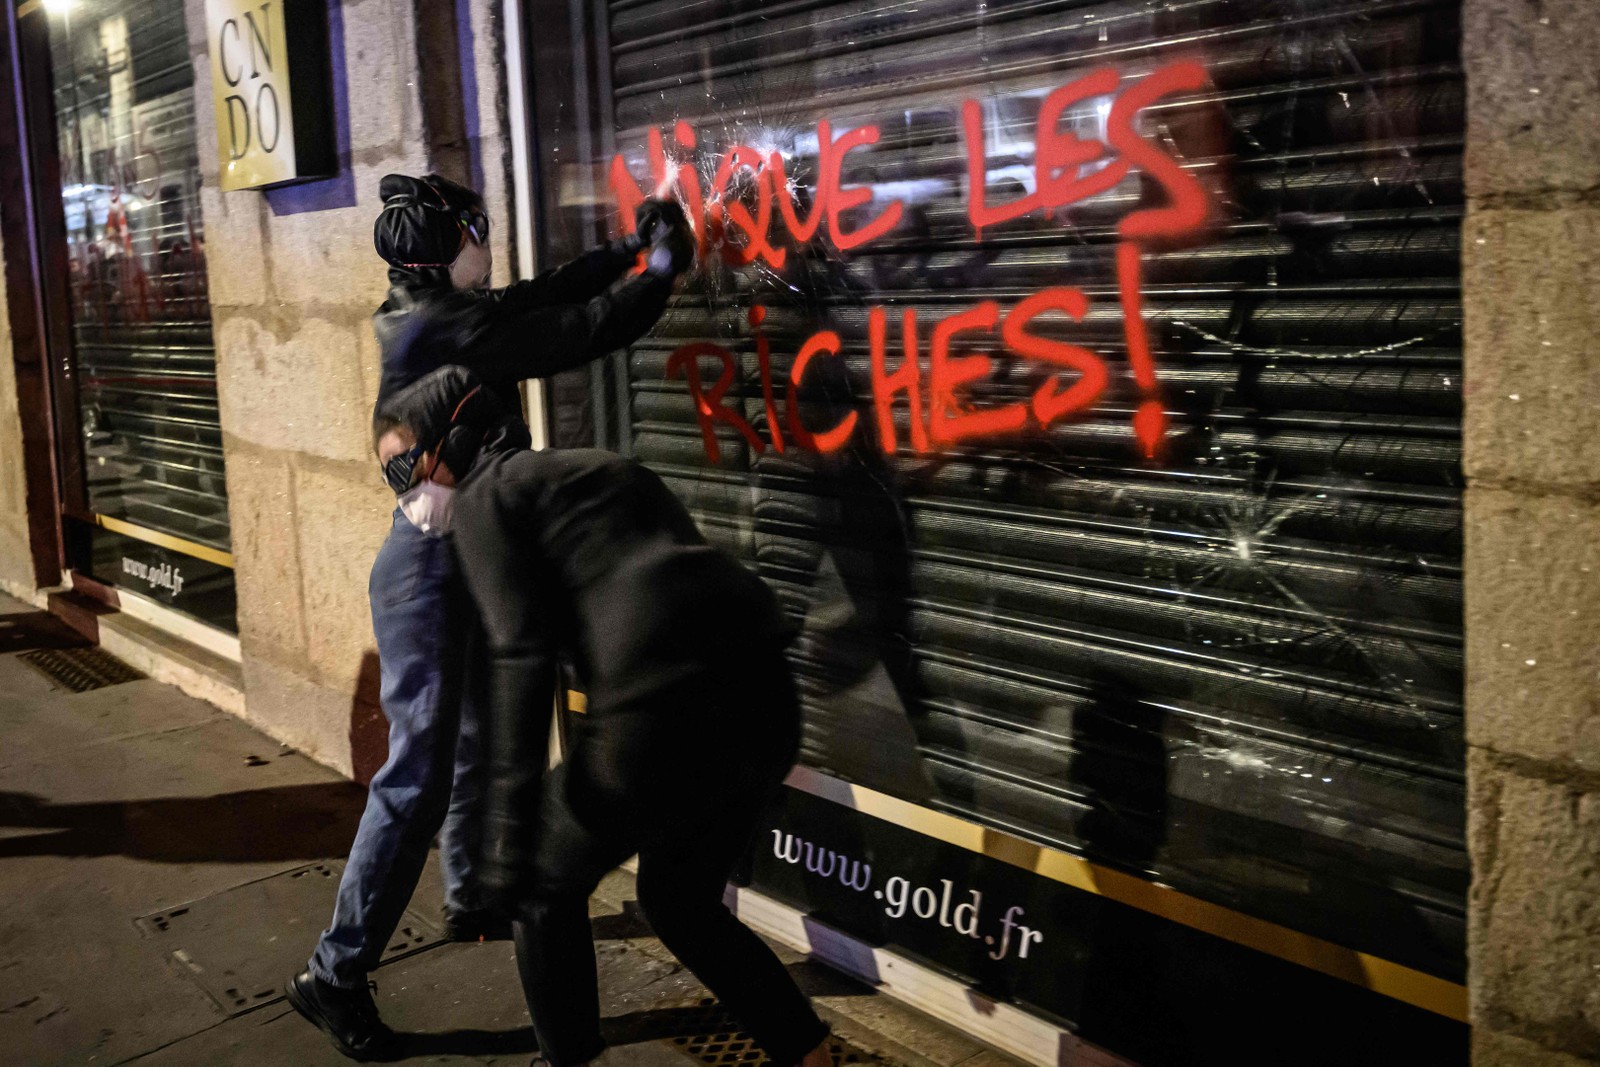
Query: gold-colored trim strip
<point x="24" y="10"/>
<point x="1359" y="968"/>
<point x="166" y="540"/>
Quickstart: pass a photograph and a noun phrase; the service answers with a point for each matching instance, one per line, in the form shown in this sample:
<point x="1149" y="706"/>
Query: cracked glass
<point x="1086" y="379"/>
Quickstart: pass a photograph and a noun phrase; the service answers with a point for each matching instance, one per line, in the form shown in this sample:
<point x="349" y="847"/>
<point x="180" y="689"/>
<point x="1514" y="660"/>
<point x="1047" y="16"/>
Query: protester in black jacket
<point x="434" y="236"/>
<point x="692" y="715"/>
<point x="440" y="313"/>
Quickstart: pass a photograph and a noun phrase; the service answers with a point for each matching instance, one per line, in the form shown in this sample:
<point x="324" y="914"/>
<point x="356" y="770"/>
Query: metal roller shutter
<point x="144" y="367"/>
<point x="1234" y="667"/>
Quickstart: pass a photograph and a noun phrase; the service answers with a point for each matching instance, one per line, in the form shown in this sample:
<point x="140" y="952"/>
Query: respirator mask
<point x="425" y="503"/>
<point x="429" y="506"/>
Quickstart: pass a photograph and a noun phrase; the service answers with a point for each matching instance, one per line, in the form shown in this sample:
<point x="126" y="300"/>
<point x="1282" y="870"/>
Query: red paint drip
<point x="1150" y="421"/>
<point x="1150" y="427"/>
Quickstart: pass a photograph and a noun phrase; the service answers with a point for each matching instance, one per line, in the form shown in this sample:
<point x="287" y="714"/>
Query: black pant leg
<point x="685" y="867"/>
<point x="681" y="895"/>
<point x="555" y="946"/>
<point x="555" y="958"/>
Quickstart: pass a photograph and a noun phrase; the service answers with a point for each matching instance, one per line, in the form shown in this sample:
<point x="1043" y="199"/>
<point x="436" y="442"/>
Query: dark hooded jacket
<point x="560" y="319"/>
<point x="586" y="556"/>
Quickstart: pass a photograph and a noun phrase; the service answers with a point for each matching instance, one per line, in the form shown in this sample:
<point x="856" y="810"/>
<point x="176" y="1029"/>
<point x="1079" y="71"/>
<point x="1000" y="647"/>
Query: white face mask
<point x="428" y="505"/>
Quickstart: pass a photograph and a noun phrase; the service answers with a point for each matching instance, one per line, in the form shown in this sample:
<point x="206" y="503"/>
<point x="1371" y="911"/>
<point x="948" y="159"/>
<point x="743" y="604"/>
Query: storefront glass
<point x="142" y="368"/>
<point x="1086" y="378"/>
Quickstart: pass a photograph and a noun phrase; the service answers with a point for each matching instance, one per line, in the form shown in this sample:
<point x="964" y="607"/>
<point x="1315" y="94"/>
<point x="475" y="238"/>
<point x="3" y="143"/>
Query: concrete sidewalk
<point x="163" y="869"/>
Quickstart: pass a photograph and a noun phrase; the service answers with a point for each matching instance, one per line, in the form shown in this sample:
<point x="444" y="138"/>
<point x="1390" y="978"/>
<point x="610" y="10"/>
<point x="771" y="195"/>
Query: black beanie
<point x="417" y="227"/>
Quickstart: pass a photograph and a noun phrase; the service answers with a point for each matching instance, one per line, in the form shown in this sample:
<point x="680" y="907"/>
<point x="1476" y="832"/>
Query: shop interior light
<point x="59" y="7"/>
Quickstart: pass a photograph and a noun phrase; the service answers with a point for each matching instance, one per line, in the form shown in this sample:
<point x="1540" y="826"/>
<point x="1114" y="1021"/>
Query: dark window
<point x="1196" y="617"/>
<point x="143" y="366"/>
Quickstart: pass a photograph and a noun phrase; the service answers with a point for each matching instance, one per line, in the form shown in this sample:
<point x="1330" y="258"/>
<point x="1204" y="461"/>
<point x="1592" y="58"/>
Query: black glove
<point x="671" y="243"/>
<point x="670" y="256"/>
<point x="655" y="217"/>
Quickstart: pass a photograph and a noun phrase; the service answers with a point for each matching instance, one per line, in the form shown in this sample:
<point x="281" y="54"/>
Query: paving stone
<point x="909" y="1032"/>
<point x="238" y="945"/>
<point x="40" y="721"/>
<point x="128" y="803"/>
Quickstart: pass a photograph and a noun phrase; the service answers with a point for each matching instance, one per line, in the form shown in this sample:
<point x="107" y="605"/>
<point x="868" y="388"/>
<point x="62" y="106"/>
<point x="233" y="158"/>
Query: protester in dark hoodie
<point x="434" y="235"/>
<point x="692" y="719"/>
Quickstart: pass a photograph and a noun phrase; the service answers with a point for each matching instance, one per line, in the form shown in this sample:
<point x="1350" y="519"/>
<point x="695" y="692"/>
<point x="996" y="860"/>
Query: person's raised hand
<point x="672" y="244"/>
<point x="654" y="217"/>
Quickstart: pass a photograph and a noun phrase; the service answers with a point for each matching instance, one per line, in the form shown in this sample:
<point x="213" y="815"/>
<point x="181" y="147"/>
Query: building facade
<point x="1165" y="423"/>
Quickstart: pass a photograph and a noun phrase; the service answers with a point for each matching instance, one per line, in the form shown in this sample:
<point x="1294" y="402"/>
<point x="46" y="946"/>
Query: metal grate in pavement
<point x="708" y="1033"/>
<point x="241" y="944"/>
<point x="80" y="669"/>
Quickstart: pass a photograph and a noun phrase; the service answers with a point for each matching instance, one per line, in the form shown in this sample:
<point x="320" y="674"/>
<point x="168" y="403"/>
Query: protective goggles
<point x="473" y="223"/>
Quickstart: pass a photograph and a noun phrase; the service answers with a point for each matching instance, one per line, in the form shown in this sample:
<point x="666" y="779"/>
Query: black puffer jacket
<point x="559" y="320"/>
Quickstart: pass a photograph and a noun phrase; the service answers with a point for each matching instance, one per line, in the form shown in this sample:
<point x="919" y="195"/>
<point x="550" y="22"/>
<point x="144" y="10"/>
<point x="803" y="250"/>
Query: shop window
<point x="146" y="501"/>
<point x="1119" y="500"/>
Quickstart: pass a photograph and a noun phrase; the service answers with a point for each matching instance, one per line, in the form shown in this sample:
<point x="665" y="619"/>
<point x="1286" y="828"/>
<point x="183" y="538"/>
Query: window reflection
<point x="145" y="367"/>
<point x="1230" y="661"/>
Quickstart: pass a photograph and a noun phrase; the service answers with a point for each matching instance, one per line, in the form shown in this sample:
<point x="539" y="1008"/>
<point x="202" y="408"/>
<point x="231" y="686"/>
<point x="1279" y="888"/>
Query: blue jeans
<point x="429" y="646"/>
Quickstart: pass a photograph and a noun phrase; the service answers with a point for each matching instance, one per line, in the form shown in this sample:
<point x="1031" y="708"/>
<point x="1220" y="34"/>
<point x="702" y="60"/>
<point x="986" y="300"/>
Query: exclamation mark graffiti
<point x="1182" y="218"/>
<point x="1150" y="418"/>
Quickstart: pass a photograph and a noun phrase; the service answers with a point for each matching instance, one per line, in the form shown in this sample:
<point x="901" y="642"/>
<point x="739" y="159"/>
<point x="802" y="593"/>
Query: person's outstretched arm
<point x="532" y="340"/>
<point x="581" y="278"/>
<point x="586" y="276"/>
<point x="518" y="334"/>
<point x="508" y="581"/>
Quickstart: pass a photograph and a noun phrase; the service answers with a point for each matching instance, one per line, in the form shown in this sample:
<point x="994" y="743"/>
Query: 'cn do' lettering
<point x="254" y="116"/>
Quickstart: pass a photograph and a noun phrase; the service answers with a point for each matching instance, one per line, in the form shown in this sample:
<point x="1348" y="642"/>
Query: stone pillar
<point x="294" y="281"/>
<point x="1531" y="277"/>
<point x="16" y="559"/>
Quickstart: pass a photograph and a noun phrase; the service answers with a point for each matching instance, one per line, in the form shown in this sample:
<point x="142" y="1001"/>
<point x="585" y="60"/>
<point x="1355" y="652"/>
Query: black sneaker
<point x="348" y="1016"/>
<point x="481" y="925"/>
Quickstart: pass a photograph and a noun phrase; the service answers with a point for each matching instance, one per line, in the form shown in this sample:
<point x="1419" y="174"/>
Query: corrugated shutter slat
<point x="1236" y="669"/>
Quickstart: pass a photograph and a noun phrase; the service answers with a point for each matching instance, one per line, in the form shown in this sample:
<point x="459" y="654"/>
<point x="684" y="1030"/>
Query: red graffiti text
<point x="750" y="206"/>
